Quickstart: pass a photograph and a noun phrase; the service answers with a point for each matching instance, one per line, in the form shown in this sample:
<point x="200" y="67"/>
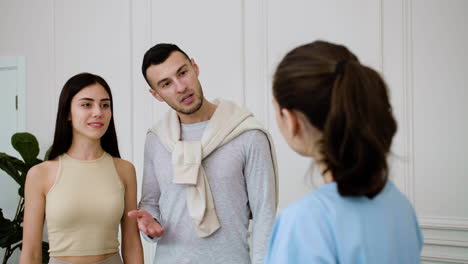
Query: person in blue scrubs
<point x="334" y="109"/>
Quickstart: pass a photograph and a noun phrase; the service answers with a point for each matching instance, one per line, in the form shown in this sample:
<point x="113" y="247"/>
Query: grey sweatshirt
<point x="241" y="179"/>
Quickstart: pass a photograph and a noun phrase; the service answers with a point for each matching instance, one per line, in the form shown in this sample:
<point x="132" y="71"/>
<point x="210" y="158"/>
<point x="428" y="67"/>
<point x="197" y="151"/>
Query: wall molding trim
<point x="257" y="94"/>
<point x="444" y="258"/>
<point x="444" y="223"/>
<point x="447" y="243"/>
<point x="407" y="73"/>
<point x="142" y="105"/>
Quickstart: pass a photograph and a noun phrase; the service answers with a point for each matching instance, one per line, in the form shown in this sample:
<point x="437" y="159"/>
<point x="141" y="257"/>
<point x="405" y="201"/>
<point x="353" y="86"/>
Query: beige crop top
<point x="84" y="207"/>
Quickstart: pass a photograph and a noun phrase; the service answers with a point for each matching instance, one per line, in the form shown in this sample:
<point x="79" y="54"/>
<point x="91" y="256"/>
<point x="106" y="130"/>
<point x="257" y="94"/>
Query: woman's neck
<point x="85" y="149"/>
<point x="326" y="173"/>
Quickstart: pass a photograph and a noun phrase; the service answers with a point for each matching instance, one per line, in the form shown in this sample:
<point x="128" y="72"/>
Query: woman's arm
<point x="34" y="211"/>
<point x="132" y="250"/>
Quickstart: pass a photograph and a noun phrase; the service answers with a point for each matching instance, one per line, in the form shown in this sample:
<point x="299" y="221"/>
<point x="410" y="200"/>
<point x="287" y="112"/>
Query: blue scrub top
<point x="324" y="227"/>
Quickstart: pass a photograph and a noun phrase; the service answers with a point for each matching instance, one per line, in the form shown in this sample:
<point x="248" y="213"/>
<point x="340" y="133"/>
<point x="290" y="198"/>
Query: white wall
<point x="417" y="45"/>
<point x="424" y="63"/>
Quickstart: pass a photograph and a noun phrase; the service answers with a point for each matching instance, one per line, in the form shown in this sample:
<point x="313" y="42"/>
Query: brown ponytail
<point x="348" y="102"/>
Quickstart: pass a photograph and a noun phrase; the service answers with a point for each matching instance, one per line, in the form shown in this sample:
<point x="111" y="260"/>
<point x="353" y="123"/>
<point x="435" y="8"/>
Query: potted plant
<point x="11" y="231"/>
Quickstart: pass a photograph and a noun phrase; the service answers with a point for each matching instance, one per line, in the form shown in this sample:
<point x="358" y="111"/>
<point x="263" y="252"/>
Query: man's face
<point x="175" y="81"/>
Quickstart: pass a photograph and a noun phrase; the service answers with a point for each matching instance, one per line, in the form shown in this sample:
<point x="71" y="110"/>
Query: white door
<point x="12" y="120"/>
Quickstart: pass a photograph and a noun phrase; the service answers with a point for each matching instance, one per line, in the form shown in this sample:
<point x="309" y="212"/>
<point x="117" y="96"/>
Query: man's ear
<point x="291" y="121"/>
<point x="195" y="66"/>
<point x="156" y="95"/>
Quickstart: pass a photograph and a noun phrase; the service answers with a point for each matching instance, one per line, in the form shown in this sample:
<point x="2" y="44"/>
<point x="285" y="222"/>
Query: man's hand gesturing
<point x="146" y="223"/>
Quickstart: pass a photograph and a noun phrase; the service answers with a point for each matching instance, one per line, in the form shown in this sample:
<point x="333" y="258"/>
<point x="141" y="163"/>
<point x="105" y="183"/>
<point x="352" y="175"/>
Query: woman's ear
<point x="291" y="121"/>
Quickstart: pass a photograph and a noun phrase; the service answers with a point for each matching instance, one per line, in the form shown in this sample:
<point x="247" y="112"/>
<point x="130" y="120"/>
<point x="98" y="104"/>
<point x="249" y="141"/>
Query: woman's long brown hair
<point x="349" y="104"/>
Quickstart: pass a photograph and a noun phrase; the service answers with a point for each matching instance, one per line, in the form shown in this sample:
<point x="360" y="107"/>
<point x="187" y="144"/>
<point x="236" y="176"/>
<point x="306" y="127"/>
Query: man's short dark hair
<point x="157" y="55"/>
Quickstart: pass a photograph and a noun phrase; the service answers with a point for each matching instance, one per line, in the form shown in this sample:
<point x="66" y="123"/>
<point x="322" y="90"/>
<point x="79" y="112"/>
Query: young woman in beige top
<point x="85" y="190"/>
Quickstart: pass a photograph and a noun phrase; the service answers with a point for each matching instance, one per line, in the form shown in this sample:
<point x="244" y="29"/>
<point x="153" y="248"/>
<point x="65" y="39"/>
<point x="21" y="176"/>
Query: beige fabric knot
<point x="186" y="161"/>
<point x="227" y="122"/>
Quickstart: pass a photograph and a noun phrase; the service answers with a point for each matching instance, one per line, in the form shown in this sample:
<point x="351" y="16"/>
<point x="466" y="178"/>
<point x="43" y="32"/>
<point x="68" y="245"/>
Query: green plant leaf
<point x="9" y="232"/>
<point x="21" y="191"/>
<point x="20" y="165"/>
<point x="15" y="161"/>
<point x="35" y="162"/>
<point x="11" y="166"/>
<point x="46" y="156"/>
<point x="6" y="230"/>
<point x="27" y="146"/>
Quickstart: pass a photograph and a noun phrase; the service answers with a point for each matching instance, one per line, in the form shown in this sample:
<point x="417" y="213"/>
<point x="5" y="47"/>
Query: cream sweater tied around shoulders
<point x="228" y="122"/>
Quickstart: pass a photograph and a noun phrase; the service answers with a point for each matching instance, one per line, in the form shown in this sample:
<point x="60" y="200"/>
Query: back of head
<point x="157" y="55"/>
<point x="349" y="104"/>
<point x="63" y="127"/>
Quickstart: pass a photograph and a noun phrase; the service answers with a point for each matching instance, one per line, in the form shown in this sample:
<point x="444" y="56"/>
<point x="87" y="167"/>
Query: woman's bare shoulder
<point x="123" y="165"/>
<point x="43" y="174"/>
<point x="125" y="169"/>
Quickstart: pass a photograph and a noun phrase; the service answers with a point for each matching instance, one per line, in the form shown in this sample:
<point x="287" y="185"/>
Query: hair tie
<point x="339" y="68"/>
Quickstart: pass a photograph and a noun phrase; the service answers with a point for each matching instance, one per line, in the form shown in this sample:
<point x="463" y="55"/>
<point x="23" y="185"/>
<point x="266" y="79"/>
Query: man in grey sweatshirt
<point x="240" y="177"/>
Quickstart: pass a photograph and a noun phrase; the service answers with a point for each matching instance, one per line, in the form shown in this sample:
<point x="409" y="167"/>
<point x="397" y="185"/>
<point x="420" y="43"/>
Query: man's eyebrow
<point x="181" y="68"/>
<point x="161" y="81"/>
<point x="165" y="79"/>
